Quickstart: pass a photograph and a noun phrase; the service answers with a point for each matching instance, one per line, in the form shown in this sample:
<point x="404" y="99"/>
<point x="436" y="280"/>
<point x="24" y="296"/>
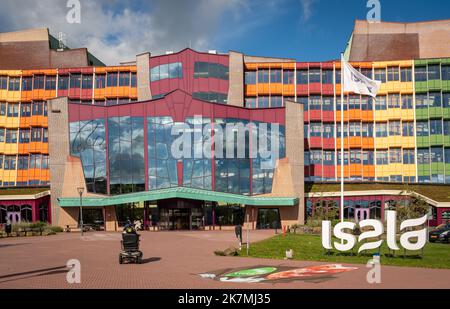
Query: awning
<point x="178" y="192"/>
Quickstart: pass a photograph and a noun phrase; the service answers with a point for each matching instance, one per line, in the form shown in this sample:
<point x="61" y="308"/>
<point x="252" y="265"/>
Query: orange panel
<point x="355" y="142"/>
<point x="369" y="170"/>
<point x="368" y="143"/>
<point x="338" y="143"/>
<point x="367" y="115"/>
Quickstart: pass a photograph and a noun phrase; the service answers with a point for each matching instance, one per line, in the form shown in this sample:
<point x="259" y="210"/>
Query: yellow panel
<point x="382" y="142"/>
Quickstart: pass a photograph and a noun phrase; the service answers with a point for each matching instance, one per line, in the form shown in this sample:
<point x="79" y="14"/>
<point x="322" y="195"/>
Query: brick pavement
<point x="171" y="260"/>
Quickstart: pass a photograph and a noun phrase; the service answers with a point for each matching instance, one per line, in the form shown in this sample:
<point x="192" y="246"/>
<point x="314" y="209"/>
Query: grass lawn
<point x="309" y="248"/>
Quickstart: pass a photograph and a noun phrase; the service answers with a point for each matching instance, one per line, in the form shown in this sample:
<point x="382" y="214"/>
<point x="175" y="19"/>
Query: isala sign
<point x="348" y="240"/>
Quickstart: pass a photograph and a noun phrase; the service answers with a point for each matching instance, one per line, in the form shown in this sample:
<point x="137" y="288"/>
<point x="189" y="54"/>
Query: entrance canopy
<point x="178" y="192"/>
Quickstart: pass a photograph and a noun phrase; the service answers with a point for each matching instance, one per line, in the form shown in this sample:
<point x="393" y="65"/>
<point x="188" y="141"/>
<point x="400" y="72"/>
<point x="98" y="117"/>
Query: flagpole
<point x="342" y="138"/>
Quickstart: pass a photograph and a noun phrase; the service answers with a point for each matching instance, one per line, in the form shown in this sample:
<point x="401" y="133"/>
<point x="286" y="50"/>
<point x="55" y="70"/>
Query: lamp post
<point x="80" y="192"/>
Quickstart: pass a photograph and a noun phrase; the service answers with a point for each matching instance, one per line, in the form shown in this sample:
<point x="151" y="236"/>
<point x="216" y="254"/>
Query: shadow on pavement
<point x="149" y="260"/>
<point x="13" y="245"/>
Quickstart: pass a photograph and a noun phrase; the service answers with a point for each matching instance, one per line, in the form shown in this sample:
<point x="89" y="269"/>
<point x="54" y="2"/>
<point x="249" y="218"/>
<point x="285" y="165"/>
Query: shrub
<point x="56" y="229"/>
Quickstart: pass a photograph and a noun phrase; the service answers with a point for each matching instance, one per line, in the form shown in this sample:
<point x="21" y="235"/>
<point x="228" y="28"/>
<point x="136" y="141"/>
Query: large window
<point x="38" y="82"/>
<point x="436" y="154"/>
<point x="13" y="109"/>
<point x="355" y="156"/>
<point x="328" y="131"/>
<point x="111" y="80"/>
<point x="27" y="84"/>
<point x="288" y="77"/>
<point x="394" y="128"/>
<point x="434" y="99"/>
<point x="124" y="79"/>
<point x="314" y="75"/>
<point x="50" y="82"/>
<point x="263" y="76"/>
<point x="2" y="138"/>
<point x="422" y="128"/>
<point x="381" y="129"/>
<point x="423" y="156"/>
<point x="382" y="157"/>
<point x="395" y="155"/>
<point x="408" y="128"/>
<point x="354" y="102"/>
<point x="380" y="103"/>
<point x="421" y="74"/>
<point x="435" y="126"/>
<point x="250" y="77"/>
<point x="394" y="101"/>
<point x="355" y="129"/>
<point x="100" y="81"/>
<point x="445" y="69"/>
<point x="406" y="74"/>
<point x="407" y="101"/>
<point x="4" y="82"/>
<point x="366" y="103"/>
<point x="380" y="75"/>
<point x="11" y="136"/>
<point x="315" y="103"/>
<point x="421" y="101"/>
<point x="447" y="127"/>
<point x="126" y="154"/>
<point x="302" y="77"/>
<point x="408" y="156"/>
<point x="275" y="76"/>
<point x="327" y="103"/>
<point x="315" y="129"/>
<point x="434" y="72"/>
<point x="63" y="82"/>
<point x="368" y="157"/>
<point x="14" y="84"/>
<point x="209" y="69"/>
<point x="367" y="129"/>
<point x="446" y="100"/>
<point x="214" y="97"/>
<point x="87" y="82"/>
<point x="393" y="74"/>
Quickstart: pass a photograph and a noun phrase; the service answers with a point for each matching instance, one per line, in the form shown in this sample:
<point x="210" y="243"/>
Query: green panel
<point x="434" y="84"/>
<point x="423" y="141"/>
<point x="422" y="114"/>
<point x="437" y="168"/>
<point x="423" y="170"/>
<point x="434" y="61"/>
<point x="446" y="113"/>
<point x="445" y="60"/>
<point x="421" y="86"/>
<point x="435" y="112"/>
<point x="420" y="62"/>
<point x="446" y="85"/>
<point x="437" y="139"/>
<point x="179" y="192"/>
<point x="446" y="141"/>
<point x="447" y="169"/>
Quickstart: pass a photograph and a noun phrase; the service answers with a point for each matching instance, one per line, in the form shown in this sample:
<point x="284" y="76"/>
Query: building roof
<point x="385" y="41"/>
<point x="178" y="192"/>
<point x="23" y="193"/>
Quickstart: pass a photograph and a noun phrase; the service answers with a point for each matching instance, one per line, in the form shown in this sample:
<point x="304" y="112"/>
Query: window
<point x="22" y="163"/>
<point x="302" y="77"/>
<point x="87" y="82"/>
<point x="327" y="76"/>
<point x="316" y="157"/>
<point x="421" y="74"/>
<point x="2" y="108"/>
<point x="447" y="155"/>
<point x="434" y="72"/>
<point x="24" y="135"/>
<point x="4" y="82"/>
<point x="407" y="101"/>
<point x="133" y="79"/>
<point x="214" y="97"/>
<point x="338" y="76"/>
<point x="27" y="83"/>
<point x="315" y="129"/>
<point x="75" y="81"/>
<point x="408" y="156"/>
<point x="38" y="82"/>
<point x="288" y="77"/>
<point x="422" y="128"/>
<point x="14" y="84"/>
<point x="36" y="134"/>
<point x="45" y="135"/>
<point x="263" y="76"/>
<point x="339" y="127"/>
<point x="436" y="126"/>
<point x="436" y="155"/>
<point x="366" y="72"/>
<point x="355" y="156"/>
<point x="382" y="157"/>
<point x="394" y="128"/>
<point x="315" y="103"/>
<point x="380" y="103"/>
<point x="13" y="110"/>
<point x="25" y="109"/>
<point x="408" y="128"/>
<point x="63" y="82"/>
<point x="406" y="74"/>
<point x="35" y="161"/>
<point x="209" y="69"/>
<point x="445" y="69"/>
<point x="355" y="129"/>
<point x="124" y="79"/>
<point x="175" y="70"/>
<point x="368" y="157"/>
<point x="111" y="80"/>
<point x="45" y="162"/>
<point x="276" y="101"/>
<point x="314" y="76"/>
<point x="393" y="74"/>
<point x="250" y="77"/>
<point x="304" y="101"/>
<point x="2" y="138"/>
<point x="250" y="102"/>
<point x="100" y="81"/>
<point x="328" y="131"/>
<point x="354" y="102"/>
<point x="366" y="103"/>
<point x="50" y="82"/>
<point x="447" y="127"/>
<point x="434" y="99"/>
<point x="423" y="156"/>
<point x="381" y="129"/>
<point x="11" y="136"/>
<point x="395" y="155"/>
<point x="421" y="101"/>
<point x="328" y="158"/>
<point x="446" y="100"/>
<point x="10" y="163"/>
<point x="367" y="129"/>
<point x="380" y="75"/>
<point x="275" y="76"/>
<point x="38" y="109"/>
<point x="394" y="101"/>
<point x="327" y="103"/>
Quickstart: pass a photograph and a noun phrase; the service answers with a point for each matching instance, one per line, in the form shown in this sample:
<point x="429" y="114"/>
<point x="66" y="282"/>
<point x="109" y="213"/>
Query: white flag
<point x="355" y="81"/>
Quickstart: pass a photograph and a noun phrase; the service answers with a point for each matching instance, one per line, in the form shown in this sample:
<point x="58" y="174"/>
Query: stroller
<point x="130" y="246"/>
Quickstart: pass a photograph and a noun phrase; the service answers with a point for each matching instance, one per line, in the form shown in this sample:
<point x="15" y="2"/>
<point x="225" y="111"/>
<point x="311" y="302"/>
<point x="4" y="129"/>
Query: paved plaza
<point x="171" y="260"/>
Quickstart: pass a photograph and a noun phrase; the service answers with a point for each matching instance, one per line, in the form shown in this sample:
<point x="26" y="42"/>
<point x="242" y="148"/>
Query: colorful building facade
<point x="402" y="137"/>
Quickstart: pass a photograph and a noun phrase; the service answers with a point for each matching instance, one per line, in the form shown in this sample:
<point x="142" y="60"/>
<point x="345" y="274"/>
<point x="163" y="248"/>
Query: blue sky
<point x="117" y="30"/>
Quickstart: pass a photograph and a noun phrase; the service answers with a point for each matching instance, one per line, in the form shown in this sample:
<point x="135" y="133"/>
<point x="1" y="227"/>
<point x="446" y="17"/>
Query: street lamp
<point x="80" y="192"/>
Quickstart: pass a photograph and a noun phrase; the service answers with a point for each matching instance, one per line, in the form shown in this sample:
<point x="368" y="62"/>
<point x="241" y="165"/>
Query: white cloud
<point x="307" y="10"/>
<point x="116" y="30"/>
